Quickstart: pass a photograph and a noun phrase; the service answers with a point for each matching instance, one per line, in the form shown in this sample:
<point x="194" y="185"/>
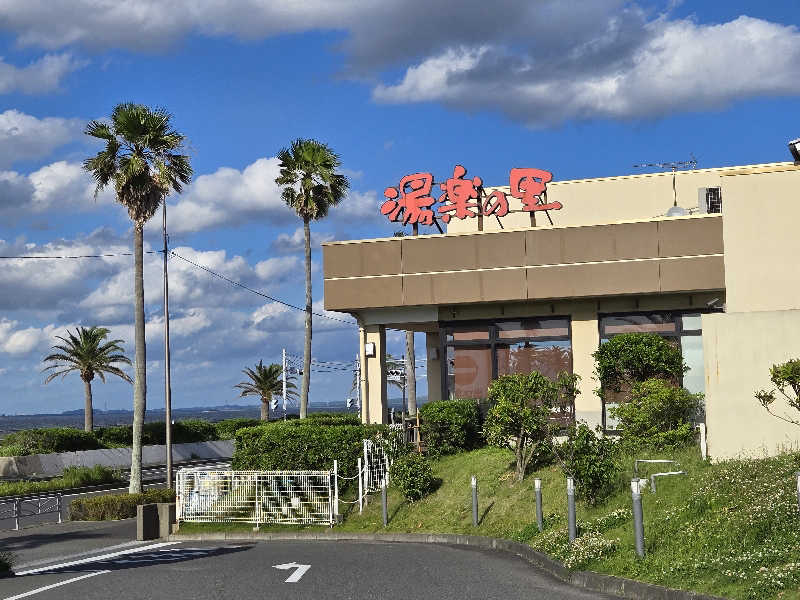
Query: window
<point x="714" y="200"/>
<point x="479" y="352"/>
<point x="683" y="328"/>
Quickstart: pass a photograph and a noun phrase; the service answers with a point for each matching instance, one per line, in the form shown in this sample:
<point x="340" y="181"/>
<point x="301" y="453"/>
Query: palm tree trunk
<point x="264" y="409"/>
<point x="88" y="417"/>
<point x="140" y="382"/>
<point x="411" y="375"/>
<point x="307" y="350"/>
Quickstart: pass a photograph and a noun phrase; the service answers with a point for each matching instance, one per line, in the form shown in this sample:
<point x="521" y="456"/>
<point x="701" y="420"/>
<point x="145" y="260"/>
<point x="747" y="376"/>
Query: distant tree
<point x="266" y="382"/>
<point x="88" y="352"/>
<point x="311" y="186"/>
<point x="142" y="158"/>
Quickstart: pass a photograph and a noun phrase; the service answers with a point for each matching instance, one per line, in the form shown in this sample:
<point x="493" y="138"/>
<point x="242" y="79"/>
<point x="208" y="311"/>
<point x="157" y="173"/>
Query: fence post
<point x="360" y="488"/>
<point x="474" y="485"/>
<point x="384" y="508"/>
<point x="16" y="513"/>
<point x="59" y="505"/>
<point x="336" y="488"/>
<point x="571" y="524"/>
<point x="387" y="464"/>
<point x="537" y="484"/>
<point x="366" y="467"/>
<point x="638" y="518"/>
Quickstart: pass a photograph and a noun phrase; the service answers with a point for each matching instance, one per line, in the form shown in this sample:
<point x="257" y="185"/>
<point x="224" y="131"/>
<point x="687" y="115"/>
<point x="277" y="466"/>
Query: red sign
<point x="412" y="202"/>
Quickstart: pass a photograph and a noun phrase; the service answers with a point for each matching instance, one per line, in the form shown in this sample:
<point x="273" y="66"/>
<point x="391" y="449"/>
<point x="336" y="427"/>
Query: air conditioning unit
<point x="709" y="200"/>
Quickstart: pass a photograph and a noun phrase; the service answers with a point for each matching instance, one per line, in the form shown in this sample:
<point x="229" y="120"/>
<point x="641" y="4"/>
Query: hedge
<point x="69" y="439"/>
<point x="112" y="507"/>
<point x="302" y="445"/>
<point x="450" y="426"/>
<point x="6" y="563"/>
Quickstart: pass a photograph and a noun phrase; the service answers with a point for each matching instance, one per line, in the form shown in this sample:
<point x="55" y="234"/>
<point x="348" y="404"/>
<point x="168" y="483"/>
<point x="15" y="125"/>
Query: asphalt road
<point x="318" y="570"/>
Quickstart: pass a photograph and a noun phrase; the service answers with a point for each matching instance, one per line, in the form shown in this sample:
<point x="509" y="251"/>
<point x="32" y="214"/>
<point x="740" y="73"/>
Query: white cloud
<point x="25" y="137"/>
<point x="537" y="62"/>
<point x="295" y="242"/>
<point x="229" y="197"/>
<point x="276" y="270"/>
<point x="358" y="207"/>
<point x="17" y="340"/>
<point x="40" y="76"/>
<point x="682" y="65"/>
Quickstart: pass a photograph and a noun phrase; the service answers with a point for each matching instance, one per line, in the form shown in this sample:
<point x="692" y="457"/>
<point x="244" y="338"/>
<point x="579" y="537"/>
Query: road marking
<point x="300" y="570"/>
<point x="47" y="561"/>
<point x="91" y="559"/>
<point x="55" y="585"/>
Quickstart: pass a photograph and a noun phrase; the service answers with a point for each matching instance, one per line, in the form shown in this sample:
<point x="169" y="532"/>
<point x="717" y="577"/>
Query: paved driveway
<point x="290" y="569"/>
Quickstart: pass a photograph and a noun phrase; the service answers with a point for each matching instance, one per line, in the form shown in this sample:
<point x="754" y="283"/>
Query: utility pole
<point x="284" y="384"/>
<point x="167" y="387"/>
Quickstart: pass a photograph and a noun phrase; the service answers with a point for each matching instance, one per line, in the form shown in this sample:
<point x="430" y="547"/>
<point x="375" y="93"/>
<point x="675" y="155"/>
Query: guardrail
<point x="20" y="507"/>
<point x="258" y="497"/>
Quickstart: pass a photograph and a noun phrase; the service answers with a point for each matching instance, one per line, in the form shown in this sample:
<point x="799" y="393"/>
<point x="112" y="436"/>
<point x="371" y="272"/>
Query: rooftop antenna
<point x="675" y="210"/>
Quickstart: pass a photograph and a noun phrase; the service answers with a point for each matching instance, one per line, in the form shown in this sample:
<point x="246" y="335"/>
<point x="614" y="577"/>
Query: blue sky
<point x="394" y="86"/>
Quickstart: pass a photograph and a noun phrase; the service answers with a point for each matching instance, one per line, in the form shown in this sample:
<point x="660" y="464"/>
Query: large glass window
<point x="683" y="328"/>
<point x="479" y="352"/>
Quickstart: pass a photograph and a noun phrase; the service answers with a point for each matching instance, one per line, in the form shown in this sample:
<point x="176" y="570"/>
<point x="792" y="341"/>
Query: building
<point x="498" y="295"/>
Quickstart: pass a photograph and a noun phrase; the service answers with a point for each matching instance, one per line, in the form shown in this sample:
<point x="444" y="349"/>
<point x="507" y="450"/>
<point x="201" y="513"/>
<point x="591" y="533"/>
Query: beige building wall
<point x="739" y="349"/>
<point x="375" y="367"/>
<point x="585" y="340"/>
<point x="612" y="199"/>
<point x="761" y="240"/>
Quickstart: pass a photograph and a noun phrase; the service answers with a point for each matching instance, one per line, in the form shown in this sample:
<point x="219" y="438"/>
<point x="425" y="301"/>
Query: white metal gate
<point x="259" y="497"/>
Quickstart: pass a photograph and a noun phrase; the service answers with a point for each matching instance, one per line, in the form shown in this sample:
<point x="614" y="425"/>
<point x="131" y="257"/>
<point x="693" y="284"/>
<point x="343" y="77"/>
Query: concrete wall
<point x="739" y="349"/>
<point x="761" y="240"/>
<point x="52" y="465"/>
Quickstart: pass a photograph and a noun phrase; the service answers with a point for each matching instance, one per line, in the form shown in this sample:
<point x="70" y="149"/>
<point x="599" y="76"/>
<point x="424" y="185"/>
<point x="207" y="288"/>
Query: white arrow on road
<point x="299" y="572"/>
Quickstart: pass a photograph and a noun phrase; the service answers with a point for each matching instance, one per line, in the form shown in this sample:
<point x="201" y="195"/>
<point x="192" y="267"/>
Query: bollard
<point x="474" y="485"/>
<point x="17" y="509"/>
<point x="537" y="485"/>
<point x="571" y="509"/>
<point x="798" y="490"/>
<point x="384" y="508"/>
<point x="59" y="505"/>
<point x="638" y="519"/>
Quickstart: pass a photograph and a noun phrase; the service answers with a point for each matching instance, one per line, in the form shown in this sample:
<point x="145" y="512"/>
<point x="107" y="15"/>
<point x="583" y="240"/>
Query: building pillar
<point x="434" y="366"/>
<point x="363" y="383"/>
<point x="585" y="341"/>
<point x="375" y="395"/>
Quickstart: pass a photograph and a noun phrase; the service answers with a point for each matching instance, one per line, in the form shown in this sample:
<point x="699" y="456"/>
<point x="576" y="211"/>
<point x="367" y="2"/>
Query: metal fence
<point x="259" y="497"/>
<point x="21" y="507"/>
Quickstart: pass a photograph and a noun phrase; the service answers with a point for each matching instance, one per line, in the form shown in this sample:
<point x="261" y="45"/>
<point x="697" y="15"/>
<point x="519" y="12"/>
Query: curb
<point x="607" y="584"/>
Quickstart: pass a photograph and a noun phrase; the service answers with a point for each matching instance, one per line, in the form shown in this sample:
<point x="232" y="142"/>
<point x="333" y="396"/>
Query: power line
<point x="262" y="294"/>
<point x="78" y="255"/>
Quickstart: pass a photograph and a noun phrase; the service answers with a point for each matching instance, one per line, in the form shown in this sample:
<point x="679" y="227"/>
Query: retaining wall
<point x="52" y="465"/>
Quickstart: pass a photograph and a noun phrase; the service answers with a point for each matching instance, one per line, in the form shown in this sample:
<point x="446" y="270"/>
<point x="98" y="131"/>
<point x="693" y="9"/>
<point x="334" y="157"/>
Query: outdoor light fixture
<point x="677" y="211"/>
<point x="369" y="349"/>
<point x="794" y="148"/>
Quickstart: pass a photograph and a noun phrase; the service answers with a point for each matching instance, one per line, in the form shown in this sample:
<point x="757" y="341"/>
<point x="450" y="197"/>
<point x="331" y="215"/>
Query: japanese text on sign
<point x="412" y="201"/>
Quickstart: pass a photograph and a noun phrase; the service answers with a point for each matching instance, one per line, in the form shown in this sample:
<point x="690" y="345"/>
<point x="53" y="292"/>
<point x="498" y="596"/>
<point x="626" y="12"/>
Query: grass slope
<point x="73" y="477"/>
<point x="730" y="529"/>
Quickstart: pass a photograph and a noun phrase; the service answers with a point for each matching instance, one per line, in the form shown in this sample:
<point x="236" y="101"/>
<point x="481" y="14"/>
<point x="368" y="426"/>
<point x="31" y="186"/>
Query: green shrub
<point x="192" y="430"/>
<point x="334" y="418"/>
<point x="72" y="477"/>
<point x="592" y="461"/>
<point x="413" y="476"/>
<point x="520" y="417"/>
<point x="632" y="357"/>
<point x="183" y="432"/>
<point x="226" y="430"/>
<point x="112" y="507"/>
<point x="658" y="415"/>
<point x="450" y="426"/>
<point x="6" y="563"/>
<point x="118" y="436"/>
<point x="50" y="440"/>
<point x="303" y="445"/>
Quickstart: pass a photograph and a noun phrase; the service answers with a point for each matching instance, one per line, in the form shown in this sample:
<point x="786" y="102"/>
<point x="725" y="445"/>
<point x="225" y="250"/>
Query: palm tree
<point x="311" y="187"/>
<point x="87" y="352"/>
<point x="142" y="158"/>
<point x="266" y="382"/>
